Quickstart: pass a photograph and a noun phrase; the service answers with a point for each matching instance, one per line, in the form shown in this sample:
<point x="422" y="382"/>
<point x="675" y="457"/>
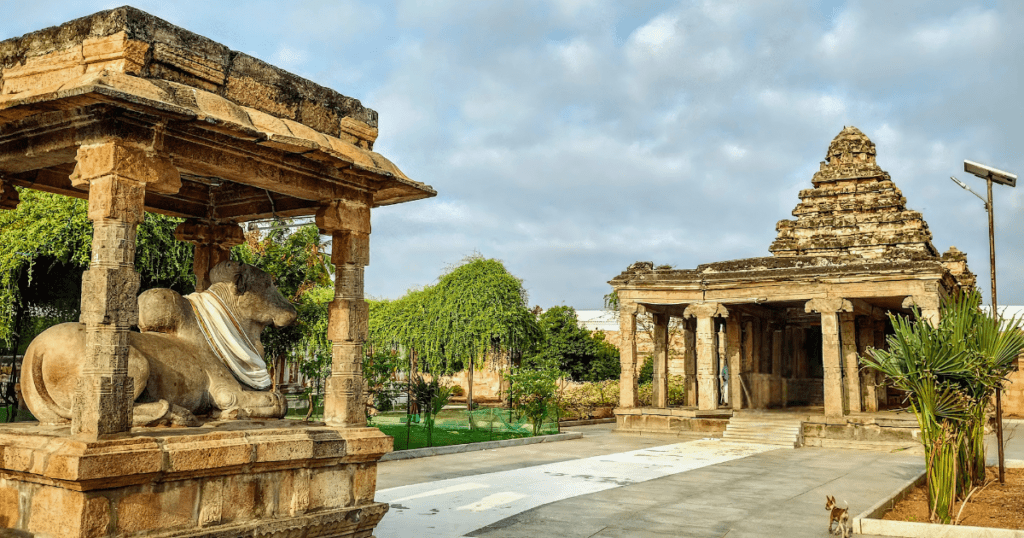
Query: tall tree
<point x="301" y="270"/>
<point x="476" y="308"/>
<point x="572" y="349"/>
<point x="47" y="242"/>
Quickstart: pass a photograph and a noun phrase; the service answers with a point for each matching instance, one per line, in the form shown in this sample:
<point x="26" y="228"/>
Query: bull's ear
<point x="241" y="283"/>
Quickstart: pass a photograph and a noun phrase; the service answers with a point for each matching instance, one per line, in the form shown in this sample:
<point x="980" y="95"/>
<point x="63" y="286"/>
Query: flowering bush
<point x="581" y="400"/>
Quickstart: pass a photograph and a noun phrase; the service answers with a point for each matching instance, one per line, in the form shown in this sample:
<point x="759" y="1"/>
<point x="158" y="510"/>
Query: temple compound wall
<point x="786" y="330"/>
<point x="134" y="114"/>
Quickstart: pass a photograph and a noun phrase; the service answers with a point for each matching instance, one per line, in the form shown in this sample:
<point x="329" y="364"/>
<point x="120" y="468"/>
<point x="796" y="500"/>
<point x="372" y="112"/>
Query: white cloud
<point x="654" y="36"/>
<point x="571" y="138"/>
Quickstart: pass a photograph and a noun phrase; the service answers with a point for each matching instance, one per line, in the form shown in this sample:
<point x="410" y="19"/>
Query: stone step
<point x="773" y="427"/>
<point x="762" y="432"/>
<point x="764" y="428"/>
<point x="786" y="430"/>
<point x="774" y="442"/>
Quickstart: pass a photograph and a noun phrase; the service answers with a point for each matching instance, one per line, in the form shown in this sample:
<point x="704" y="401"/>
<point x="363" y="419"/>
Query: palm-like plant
<point x="950" y="373"/>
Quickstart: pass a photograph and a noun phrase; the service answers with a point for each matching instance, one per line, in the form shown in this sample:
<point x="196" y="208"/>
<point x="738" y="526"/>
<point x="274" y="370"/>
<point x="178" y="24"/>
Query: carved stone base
<point x="268" y="478"/>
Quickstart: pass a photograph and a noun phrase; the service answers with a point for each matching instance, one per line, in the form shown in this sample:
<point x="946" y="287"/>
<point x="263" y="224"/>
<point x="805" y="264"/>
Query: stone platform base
<point x="276" y="478"/>
<point x="882" y="430"/>
<point x="685" y="421"/>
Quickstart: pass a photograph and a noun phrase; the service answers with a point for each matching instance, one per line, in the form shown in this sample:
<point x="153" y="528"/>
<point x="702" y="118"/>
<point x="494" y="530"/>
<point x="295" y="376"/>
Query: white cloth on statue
<point x="228" y="340"/>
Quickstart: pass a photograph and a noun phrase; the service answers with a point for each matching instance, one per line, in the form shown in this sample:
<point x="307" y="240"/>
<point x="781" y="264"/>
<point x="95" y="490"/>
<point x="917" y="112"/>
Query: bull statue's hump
<point x="186" y="361"/>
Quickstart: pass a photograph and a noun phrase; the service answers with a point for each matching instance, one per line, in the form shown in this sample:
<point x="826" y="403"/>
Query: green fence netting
<point x="459" y="426"/>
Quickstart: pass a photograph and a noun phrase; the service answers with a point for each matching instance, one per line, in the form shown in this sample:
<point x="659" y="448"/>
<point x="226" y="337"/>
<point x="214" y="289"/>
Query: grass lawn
<point x="451" y="427"/>
<point x="416" y="436"/>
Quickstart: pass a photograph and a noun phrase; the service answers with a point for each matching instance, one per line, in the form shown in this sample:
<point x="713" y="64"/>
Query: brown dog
<point x="837" y="515"/>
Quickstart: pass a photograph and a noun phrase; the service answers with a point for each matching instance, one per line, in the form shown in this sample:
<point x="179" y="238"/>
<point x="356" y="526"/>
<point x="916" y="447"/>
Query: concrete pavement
<point x="516" y="492"/>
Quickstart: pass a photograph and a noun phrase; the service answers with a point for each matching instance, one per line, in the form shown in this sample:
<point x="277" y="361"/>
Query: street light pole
<point x="990" y="174"/>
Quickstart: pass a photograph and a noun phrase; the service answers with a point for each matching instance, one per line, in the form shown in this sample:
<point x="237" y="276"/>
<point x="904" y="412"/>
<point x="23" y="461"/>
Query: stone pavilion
<point x="135" y="114"/>
<point x="786" y="330"/>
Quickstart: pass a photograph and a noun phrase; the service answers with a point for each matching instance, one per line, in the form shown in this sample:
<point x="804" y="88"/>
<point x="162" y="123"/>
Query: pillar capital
<point x="205" y="232"/>
<point x="829" y="305"/>
<point x="922" y="302"/>
<point x="927" y="305"/>
<point x="113" y="157"/>
<point x="213" y="242"/>
<point x="335" y="216"/>
<point x="705" y="310"/>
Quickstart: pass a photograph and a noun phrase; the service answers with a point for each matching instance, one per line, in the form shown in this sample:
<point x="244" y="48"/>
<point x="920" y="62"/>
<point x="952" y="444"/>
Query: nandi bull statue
<point x="198" y="354"/>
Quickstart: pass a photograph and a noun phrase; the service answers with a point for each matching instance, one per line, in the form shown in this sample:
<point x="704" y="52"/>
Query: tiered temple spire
<point x="854" y="209"/>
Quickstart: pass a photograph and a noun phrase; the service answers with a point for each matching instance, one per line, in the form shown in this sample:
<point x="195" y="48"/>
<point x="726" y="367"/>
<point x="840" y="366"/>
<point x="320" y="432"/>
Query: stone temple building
<point x="785" y="330"/>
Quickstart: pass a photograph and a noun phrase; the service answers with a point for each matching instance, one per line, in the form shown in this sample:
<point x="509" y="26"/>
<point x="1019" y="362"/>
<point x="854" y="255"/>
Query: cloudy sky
<point x="570" y="138"/>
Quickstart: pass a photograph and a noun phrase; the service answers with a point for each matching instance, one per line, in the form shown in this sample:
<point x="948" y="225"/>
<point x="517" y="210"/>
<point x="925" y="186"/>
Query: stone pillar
<point x="882" y="392"/>
<point x="928" y="305"/>
<point x="707" y="386"/>
<point x="869" y="385"/>
<point x="848" y="341"/>
<point x="660" y="382"/>
<point x="749" y="359"/>
<point x="734" y="352"/>
<point x="831" y="353"/>
<point x="627" y="355"/>
<point x="777" y="391"/>
<point x="800" y="353"/>
<point x="213" y="242"/>
<point x="348" y="222"/>
<point x="117" y="175"/>
<point x="690" y="360"/>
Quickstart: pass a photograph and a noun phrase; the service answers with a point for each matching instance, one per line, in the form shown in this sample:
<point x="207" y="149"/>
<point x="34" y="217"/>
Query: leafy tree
<point x="379" y="367"/>
<point x="47" y="245"/>
<point x="646" y="374"/>
<point x="605" y="364"/>
<point x="476" y="308"/>
<point x="302" y="273"/>
<point x="572" y="349"/>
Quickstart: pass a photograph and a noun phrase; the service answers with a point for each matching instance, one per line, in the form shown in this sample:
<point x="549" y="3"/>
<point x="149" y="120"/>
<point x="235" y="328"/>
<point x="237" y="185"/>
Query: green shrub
<point x="676" y="392"/>
<point x="646" y="370"/>
<point x="533" y="393"/>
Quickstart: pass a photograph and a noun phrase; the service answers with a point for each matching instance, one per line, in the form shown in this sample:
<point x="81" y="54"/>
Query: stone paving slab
<point x="775" y="493"/>
<point x="455" y="507"/>
<point x="778" y="493"/>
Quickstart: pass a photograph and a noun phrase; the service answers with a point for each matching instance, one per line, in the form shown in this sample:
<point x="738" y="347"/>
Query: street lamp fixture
<point x="991" y="175"/>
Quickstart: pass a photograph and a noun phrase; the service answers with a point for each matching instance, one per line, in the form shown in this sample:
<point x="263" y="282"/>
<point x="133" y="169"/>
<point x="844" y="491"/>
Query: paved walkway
<point x="609" y="485"/>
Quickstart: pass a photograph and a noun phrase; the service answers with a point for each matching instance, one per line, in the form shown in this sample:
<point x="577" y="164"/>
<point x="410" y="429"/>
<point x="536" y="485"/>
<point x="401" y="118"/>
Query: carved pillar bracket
<point x="348" y="222"/>
<point x="830" y="350"/>
<point x="8" y="194"/>
<point x="707" y="351"/>
<point x="117" y="175"/>
<point x="928" y="305"/>
<point x="627" y="355"/>
<point x="213" y="242"/>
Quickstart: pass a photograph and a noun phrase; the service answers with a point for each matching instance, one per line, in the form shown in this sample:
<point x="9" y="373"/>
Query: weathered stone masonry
<point x="795" y="322"/>
<point x="135" y="114"/>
